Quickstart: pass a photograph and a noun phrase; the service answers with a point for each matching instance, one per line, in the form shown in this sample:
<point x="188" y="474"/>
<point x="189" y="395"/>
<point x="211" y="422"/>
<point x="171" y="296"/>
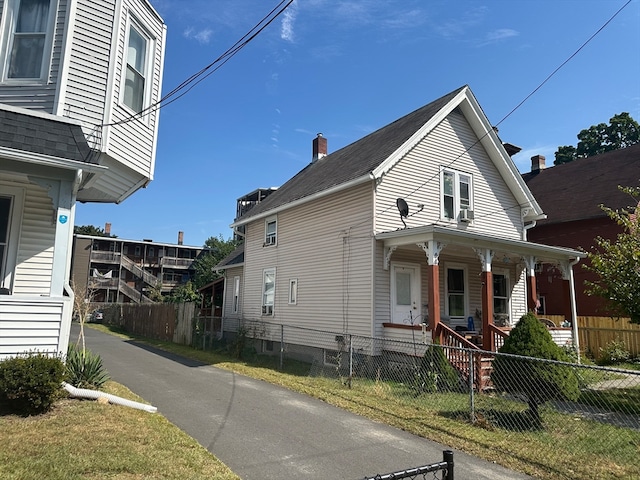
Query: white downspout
<point x="94" y="395"/>
<point x="526" y="227"/>
<point x="574" y="311"/>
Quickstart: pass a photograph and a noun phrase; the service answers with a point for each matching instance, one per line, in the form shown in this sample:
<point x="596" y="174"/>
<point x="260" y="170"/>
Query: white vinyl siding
<point x="332" y="264"/>
<point x="449" y="144"/>
<point x="34" y="324"/>
<point x="34" y="265"/>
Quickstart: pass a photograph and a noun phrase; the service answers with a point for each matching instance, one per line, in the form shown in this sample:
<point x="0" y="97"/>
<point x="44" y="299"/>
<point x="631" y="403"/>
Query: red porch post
<point x="532" y="292"/>
<point x="434" y="296"/>
<point x="487" y="310"/>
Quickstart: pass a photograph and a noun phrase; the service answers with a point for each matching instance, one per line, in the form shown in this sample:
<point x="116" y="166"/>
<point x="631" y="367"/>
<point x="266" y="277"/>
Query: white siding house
<point x="77" y="78"/>
<point x="421" y="221"/>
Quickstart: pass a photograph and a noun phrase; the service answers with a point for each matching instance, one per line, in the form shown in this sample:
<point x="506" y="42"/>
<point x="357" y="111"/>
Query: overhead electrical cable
<point x="533" y="92"/>
<point x="186" y="86"/>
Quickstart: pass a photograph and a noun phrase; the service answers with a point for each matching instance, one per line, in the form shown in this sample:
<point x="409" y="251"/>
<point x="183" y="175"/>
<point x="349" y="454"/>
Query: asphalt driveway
<point x="262" y="431"/>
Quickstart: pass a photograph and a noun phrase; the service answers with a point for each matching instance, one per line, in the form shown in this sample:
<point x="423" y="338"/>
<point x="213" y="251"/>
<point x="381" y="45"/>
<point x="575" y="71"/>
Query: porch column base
<point x="434" y="296"/>
<point x="487" y="311"/>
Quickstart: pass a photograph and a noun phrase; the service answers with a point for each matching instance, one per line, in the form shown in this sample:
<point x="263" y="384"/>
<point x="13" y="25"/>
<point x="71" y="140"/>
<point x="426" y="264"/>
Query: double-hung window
<point x="501" y="296"/>
<point x="236" y="295"/>
<point x="268" y="290"/>
<point x="135" y="80"/>
<point x="456" y="298"/>
<point x="270" y="231"/>
<point x="456" y="195"/>
<point x="28" y="38"/>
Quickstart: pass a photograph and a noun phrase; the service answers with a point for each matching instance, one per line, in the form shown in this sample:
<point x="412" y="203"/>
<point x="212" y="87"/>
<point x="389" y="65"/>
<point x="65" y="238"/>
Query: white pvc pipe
<point x="94" y="394"/>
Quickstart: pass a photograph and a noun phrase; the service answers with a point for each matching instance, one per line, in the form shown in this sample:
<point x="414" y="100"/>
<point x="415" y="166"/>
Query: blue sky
<point x="346" y="68"/>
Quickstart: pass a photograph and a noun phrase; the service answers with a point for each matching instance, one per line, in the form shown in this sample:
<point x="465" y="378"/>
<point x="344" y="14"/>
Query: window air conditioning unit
<point x="270" y="241"/>
<point x="267" y="310"/>
<point x="466" y="215"/>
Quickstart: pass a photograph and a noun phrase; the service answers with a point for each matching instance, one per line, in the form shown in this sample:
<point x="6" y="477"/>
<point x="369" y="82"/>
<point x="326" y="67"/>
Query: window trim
<point x="270" y="238"/>
<point x="457" y="206"/>
<point x="268" y="307"/>
<point x="150" y="42"/>
<point x="8" y="270"/>
<point x="505" y="274"/>
<point x="236" y="295"/>
<point x="456" y="266"/>
<point x="293" y="291"/>
<point x="10" y="13"/>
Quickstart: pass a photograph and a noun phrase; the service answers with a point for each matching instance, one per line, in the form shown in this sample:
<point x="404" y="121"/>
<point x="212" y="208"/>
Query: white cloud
<point x="286" y="31"/>
<point x="202" y="36"/>
<point x="498" y="35"/>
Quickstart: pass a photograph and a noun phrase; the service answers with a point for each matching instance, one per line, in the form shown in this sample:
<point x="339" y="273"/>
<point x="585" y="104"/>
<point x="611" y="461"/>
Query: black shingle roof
<point x="44" y="136"/>
<point x="353" y="161"/>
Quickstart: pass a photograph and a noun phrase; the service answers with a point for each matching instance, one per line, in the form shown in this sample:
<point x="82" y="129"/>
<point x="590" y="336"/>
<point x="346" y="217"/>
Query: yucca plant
<point x="84" y="368"/>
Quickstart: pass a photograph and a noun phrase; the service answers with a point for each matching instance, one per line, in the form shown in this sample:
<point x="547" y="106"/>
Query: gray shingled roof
<point x="44" y="136"/>
<point x="353" y="161"/>
<point x="234" y="258"/>
<point x="574" y="190"/>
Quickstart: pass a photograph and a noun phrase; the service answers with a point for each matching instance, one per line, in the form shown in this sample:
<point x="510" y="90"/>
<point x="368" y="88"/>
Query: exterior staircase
<point x="149" y="279"/>
<point x="132" y="293"/>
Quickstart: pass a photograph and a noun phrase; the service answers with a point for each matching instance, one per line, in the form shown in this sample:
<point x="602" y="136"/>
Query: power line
<point x="533" y="92"/>
<point x="186" y="86"/>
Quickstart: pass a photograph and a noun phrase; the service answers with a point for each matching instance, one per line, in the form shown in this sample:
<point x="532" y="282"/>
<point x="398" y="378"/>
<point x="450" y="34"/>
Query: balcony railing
<point x="105" y="257"/>
<point x="176" y="262"/>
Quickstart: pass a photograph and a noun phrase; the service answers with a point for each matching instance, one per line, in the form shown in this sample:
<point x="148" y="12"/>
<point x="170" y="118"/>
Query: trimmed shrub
<point x="85" y="371"/>
<point x="436" y="373"/>
<point x="32" y="383"/>
<point x="614" y="352"/>
<point x="538" y="381"/>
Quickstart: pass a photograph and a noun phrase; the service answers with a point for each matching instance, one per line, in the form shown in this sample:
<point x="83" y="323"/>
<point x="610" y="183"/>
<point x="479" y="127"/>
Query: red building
<point x="571" y="195"/>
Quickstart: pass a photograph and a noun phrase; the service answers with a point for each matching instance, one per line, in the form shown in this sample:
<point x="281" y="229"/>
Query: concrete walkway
<point x="262" y="431"/>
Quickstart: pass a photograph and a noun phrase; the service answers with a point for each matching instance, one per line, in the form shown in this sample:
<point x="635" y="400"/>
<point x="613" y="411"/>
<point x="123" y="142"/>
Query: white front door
<point x="405" y="293"/>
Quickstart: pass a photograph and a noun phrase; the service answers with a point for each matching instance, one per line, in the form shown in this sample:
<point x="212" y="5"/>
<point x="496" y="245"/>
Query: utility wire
<point x="534" y="91"/>
<point x="186" y="86"/>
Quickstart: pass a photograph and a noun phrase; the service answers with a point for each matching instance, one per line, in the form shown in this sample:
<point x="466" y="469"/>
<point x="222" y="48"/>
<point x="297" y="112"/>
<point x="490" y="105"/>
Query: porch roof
<point x="450" y="236"/>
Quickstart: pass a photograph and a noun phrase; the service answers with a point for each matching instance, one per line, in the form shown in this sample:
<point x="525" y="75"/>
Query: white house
<point x="421" y="221"/>
<point x="78" y="83"/>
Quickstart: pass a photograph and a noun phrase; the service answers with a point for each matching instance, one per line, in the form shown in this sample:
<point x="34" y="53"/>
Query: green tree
<point x="538" y="381"/>
<point x="91" y="230"/>
<point x="622" y="131"/>
<point x="184" y="293"/>
<point x="219" y="248"/>
<point x="617" y="264"/>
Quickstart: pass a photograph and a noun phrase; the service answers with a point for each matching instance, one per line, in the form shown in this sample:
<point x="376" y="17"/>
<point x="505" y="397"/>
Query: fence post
<point x="472" y="376"/>
<point x="447" y="456"/>
<point x="350" y="359"/>
<point x="281" y="347"/>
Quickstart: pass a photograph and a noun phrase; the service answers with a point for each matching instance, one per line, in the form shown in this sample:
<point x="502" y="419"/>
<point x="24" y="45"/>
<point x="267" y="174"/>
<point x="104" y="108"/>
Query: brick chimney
<point x="107" y="228"/>
<point x="319" y="148"/>
<point x="180" y="238"/>
<point x="537" y="163"/>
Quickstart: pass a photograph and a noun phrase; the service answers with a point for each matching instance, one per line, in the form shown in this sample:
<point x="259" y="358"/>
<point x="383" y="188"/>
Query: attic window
<point x="456" y="193"/>
<point x="270" y="231"/>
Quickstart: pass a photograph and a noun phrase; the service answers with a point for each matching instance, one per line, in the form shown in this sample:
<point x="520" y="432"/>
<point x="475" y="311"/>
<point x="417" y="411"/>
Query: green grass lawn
<point x="571" y="448"/>
<point x="81" y="439"/>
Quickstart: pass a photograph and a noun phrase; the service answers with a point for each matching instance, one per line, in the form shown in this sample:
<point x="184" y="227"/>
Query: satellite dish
<point x="403" y="208"/>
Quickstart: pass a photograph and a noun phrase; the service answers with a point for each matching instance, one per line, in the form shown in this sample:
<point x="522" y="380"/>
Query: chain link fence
<point x="555" y="408"/>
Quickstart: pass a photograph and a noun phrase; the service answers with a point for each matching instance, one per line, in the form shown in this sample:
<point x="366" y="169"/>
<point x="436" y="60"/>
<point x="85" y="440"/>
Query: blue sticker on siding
<point x="63" y="219"/>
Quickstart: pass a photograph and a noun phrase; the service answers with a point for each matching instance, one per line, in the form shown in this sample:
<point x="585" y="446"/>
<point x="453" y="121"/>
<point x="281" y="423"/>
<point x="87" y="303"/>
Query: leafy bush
<point x="614" y="352"/>
<point x="85" y="370"/>
<point x="30" y="384"/>
<point x="436" y="373"/>
<point x="538" y="381"/>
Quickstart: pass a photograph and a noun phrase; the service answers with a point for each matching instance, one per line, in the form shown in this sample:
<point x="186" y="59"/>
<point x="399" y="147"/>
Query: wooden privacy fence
<point x="161" y="321"/>
<point x="598" y="332"/>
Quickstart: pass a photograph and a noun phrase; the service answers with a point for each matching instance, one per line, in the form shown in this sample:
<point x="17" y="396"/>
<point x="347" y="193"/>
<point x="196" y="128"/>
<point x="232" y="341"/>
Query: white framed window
<point x="236" y="295"/>
<point x="138" y="55"/>
<point x="28" y="33"/>
<point x="293" y="291"/>
<point x="457" y="195"/>
<point x="11" y="204"/>
<point x="456" y="292"/>
<point x="268" y="290"/>
<point x="270" y="231"/>
<point x="501" y="296"/>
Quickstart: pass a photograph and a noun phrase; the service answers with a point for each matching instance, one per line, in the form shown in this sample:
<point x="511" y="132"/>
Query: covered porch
<point x="473" y="288"/>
